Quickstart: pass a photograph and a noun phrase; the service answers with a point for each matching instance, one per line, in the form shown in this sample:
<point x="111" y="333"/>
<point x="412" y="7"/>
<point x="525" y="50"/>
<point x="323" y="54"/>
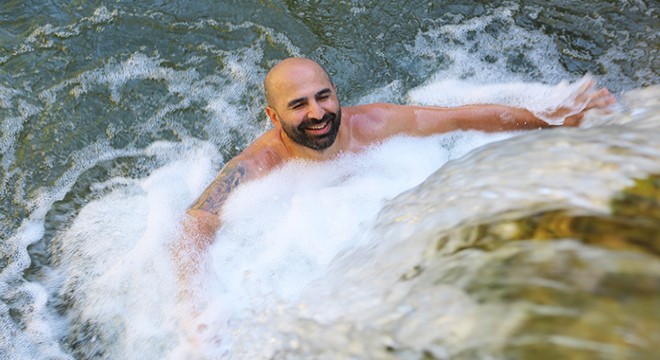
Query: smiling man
<point x="309" y="123"/>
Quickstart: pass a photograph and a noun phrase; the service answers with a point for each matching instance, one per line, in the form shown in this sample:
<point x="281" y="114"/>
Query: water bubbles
<point x="114" y="117"/>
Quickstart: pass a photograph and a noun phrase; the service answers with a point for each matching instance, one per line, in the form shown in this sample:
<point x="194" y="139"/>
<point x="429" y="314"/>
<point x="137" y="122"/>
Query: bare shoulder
<point x="375" y="122"/>
<point x="370" y="111"/>
<point x="256" y="160"/>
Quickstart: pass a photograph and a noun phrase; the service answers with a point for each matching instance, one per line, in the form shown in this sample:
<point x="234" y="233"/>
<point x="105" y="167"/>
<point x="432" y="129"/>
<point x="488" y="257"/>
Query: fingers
<point x="601" y="99"/>
<point x="607" y="97"/>
<point x="588" y="97"/>
<point x="584" y="93"/>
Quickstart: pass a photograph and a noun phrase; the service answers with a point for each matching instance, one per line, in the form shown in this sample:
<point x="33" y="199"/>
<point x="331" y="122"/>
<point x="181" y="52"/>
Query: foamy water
<point x="99" y="164"/>
<point x="279" y="235"/>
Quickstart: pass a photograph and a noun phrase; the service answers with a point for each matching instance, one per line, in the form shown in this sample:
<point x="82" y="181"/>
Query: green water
<point x="86" y="87"/>
<point x="49" y="50"/>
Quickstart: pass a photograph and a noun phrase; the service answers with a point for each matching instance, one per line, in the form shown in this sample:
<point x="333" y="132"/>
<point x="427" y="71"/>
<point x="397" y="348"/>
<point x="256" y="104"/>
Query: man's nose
<point x="315" y="110"/>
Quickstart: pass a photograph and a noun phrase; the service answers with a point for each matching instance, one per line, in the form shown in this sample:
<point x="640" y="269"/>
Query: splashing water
<point x="322" y="242"/>
<point x="115" y="117"/>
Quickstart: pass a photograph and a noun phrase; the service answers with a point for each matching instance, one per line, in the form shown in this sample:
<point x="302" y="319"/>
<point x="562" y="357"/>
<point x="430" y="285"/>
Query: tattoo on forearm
<point x="217" y="193"/>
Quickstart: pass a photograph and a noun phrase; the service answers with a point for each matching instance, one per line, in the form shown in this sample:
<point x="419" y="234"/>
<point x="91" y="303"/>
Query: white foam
<point x="472" y="52"/>
<point x="42" y="329"/>
<point x="284" y="231"/>
<point x="279" y="234"/>
<point x="116" y="255"/>
<point x="12" y="125"/>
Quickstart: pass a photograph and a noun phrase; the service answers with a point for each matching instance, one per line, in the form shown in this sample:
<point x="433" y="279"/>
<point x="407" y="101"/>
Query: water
<point x="116" y="115"/>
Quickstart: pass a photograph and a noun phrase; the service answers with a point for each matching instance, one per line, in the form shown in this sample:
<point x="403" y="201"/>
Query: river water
<point x="116" y="115"/>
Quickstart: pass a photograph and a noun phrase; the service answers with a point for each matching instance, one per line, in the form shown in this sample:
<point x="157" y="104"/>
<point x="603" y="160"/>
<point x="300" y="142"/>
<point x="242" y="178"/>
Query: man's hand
<point x="586" y="98"/>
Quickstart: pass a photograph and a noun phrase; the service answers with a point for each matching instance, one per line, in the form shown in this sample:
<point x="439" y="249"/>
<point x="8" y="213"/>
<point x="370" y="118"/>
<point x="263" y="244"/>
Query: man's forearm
<point x="490" y="118"/>
<point x="189" y="251"/>
<point x="503" y="118"/>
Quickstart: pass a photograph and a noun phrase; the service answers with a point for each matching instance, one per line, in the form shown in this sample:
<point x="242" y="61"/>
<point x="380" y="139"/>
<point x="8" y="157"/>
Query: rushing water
<point x="116" y="115"/>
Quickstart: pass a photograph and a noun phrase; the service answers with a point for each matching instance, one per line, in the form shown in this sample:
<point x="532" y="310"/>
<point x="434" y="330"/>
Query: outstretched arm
<point x="384" y="120"/>
<point x="491" y="118"/>
<point x="504" y="118"/>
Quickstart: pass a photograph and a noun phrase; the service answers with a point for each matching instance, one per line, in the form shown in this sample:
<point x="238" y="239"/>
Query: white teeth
<point x="318" y="127"/>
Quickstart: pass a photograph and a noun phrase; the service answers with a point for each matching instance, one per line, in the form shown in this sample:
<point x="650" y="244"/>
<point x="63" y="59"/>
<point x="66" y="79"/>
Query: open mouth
<point x="319" y="127"/>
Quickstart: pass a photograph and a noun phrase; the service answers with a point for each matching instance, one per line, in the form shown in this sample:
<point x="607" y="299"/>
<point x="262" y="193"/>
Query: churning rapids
<point x="332" y="261"/>
<point x="523" y="245"/>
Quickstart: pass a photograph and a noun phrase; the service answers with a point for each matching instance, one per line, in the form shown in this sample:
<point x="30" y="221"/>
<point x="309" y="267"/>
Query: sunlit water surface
<point x="115" y="117"/>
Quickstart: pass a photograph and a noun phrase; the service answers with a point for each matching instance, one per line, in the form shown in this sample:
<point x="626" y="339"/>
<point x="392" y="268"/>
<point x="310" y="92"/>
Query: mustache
<point x="313" y="122"/>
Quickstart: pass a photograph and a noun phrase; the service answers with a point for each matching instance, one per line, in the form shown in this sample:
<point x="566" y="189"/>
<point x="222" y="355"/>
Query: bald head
<point x="289" y="74"/>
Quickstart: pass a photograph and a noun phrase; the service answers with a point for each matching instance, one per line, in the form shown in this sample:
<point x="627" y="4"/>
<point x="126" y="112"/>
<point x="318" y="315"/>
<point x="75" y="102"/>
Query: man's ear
<point x="273" y="117"/>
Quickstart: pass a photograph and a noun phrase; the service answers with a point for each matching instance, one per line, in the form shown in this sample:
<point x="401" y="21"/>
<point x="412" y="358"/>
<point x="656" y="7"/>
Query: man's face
<point x="317" y="134"/>
<point x="306" y="105"/>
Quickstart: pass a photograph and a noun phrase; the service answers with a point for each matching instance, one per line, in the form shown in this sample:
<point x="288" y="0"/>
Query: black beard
<point x="315" y="142"/>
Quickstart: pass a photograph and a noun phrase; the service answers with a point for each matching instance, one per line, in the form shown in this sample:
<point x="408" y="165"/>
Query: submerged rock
<point x="634" y="224"/>
<point x="561" y="284"/>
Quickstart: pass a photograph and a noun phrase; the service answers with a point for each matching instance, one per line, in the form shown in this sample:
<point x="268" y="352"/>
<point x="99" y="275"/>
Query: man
<point x="309" y="123"/>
